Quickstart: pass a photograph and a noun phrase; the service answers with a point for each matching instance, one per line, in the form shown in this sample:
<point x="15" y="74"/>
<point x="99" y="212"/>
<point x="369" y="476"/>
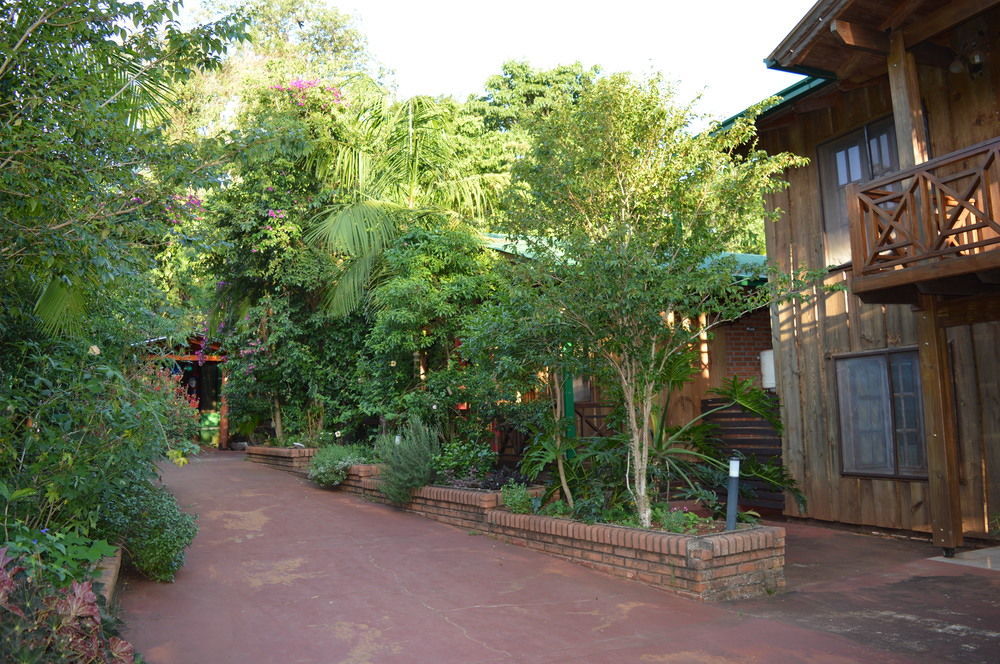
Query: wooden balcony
<point x="932" y="229"/>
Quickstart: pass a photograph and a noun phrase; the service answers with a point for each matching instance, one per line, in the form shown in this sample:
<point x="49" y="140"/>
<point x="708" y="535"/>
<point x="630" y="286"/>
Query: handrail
<point x="942" y="210"/>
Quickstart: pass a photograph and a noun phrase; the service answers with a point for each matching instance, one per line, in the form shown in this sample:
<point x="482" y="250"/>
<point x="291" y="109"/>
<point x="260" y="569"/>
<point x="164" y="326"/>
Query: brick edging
<point x="108" y="569"/>
<point x="281" y="452"/>
<point x="718" y="566"/>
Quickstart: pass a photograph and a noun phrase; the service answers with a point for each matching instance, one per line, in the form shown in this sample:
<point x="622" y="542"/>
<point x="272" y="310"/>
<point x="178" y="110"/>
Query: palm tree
<point x="394" y="165"/>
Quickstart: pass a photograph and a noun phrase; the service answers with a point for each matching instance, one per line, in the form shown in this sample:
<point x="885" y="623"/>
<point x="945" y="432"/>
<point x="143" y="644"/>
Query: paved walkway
<point x="283" y="572"/>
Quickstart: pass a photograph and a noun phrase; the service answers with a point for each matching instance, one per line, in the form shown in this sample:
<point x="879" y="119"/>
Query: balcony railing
<point x="937" y="220"/>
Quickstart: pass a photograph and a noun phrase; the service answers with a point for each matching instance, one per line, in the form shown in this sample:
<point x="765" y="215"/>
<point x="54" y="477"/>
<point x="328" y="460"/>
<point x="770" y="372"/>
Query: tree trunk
<point x="638" y="450"/>
<point x="279" y="431"/>
<point x="559" y="411"/>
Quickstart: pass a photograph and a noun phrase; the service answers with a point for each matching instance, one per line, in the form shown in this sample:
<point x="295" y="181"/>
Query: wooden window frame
<point x="895" y="474"/>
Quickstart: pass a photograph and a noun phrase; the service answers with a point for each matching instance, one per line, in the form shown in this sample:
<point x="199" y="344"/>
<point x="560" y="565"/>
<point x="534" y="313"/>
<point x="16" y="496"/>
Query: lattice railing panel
<point x="941" y="210"/>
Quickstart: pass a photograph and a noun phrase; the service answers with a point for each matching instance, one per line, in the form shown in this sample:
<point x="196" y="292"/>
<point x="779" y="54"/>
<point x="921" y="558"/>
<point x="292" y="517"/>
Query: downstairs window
<point x="881" y="414"/>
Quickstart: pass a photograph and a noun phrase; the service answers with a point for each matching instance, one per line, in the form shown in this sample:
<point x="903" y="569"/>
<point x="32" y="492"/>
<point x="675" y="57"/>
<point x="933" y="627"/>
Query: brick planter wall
<point x="747" y="563"/>
<point x="357" y="474"/>
<point x="720" y="566"/>
<point x="292" y="459"/>
<point x="465" y="508"/>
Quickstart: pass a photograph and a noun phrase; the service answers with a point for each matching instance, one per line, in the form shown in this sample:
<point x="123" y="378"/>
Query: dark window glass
<point x="862" y="155"/>
<point x="881" y="418"/>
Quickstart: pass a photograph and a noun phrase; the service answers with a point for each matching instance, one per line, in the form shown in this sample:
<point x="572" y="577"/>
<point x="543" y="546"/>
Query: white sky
<point x="713" y="47"/>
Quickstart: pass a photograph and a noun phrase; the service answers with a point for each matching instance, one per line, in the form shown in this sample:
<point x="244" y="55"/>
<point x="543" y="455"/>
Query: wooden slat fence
<point x="750" y="434"/>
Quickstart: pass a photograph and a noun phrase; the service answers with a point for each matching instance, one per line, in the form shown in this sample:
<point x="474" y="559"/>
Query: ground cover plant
<point x="41" y="622"/>
<point x="330" y="465"/>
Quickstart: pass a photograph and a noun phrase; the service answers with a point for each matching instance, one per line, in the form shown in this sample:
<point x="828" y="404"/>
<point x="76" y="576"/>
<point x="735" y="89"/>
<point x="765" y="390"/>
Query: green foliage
<point x="295" y="363"/>
<point x="691" y="454"/>
<point x="676" y="520"/>
<point x="290" y="39"/>
<point x="55" y="557"/>
<point x="517" y="499"/>
<point x="431" y="280"/>
<point x="75" y="424"/>
<point x="395" y="167"/>
<point x="408" y="458"/>
<point x="463" y="458"/>
<point x="624" y="211"/>
<point x="46" y="623"/>
<point x="557" y="508"/>
<point x="330" y="464"/>
<point x="86" y="174"/>
<point x="494" y="129"/>
<point x="91" y="201"/>
<point x="151" y="526"/>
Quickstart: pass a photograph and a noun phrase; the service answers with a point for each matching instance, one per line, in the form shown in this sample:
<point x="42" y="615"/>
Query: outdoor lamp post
<point x="734" y="488"/>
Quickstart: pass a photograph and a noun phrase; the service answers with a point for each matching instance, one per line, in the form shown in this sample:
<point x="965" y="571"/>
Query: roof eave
<point x="816" y="20"/>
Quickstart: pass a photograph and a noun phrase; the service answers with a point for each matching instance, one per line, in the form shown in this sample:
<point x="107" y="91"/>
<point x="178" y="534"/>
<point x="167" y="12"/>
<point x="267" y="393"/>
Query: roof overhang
<point x="849" y="39"/>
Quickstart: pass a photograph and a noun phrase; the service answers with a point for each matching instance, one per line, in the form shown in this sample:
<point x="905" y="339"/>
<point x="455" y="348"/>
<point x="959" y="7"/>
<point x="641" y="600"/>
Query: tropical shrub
<point x="460" y="459"/>
<point x="330" y="464"/>
<point x="408" y="459"/>
<point x="54" y="557"/>
<point x="151" y="526"/>
<point x="42" y="623"/>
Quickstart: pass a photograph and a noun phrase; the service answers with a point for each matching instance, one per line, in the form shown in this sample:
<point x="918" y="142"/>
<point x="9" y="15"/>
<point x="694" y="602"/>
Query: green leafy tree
<point x="394" y="167"/>
<point x="81" y="164"/>
<point x="88" y="188"/>
<point x="289" y="40"/>
<point x="625" y="212"/>
<point x="434" y="278"/>
<point x="493" y="129"/>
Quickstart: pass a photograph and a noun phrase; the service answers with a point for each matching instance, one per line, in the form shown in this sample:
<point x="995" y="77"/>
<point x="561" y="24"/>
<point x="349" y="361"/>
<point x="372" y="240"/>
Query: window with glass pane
<point x="862" y="155"/>
<point x="881" y="418"/>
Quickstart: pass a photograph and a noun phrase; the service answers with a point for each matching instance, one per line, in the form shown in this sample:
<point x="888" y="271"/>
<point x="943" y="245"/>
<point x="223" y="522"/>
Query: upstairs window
<point x="881" y="415"/>
<point x="862" y="155"/>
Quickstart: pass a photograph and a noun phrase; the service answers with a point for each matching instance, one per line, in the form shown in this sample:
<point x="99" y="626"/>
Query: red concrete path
<point x="285" y="572"/>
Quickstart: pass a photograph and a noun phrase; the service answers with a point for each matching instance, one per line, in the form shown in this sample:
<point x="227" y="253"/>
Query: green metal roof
<point x="746" y="265"/>
<point x="788" y="95"/>
<point x="504" y="243"/>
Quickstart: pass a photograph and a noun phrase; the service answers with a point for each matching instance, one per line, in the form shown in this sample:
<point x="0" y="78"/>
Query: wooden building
<point x="890" y="388"/>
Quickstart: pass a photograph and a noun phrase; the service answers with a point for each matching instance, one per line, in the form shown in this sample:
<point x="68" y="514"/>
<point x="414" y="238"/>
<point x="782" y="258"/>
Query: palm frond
<point x="359" y="229"/>
<point x="346" y="295"/>
<point x="60" y="307"/>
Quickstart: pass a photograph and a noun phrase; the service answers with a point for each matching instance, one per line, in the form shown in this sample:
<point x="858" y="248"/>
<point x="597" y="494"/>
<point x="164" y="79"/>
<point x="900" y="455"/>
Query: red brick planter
<point x="734" y="565"/>
<point x="465" y="508"/>
<point x="720" y="566"/>
<point x="293" y="459"/>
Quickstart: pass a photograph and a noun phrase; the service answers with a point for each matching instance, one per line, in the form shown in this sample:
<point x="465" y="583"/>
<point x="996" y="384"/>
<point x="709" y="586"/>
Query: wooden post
<point x="907" y="109"/>
<point x="939" y="426"/>
<point x="223" y="417"/>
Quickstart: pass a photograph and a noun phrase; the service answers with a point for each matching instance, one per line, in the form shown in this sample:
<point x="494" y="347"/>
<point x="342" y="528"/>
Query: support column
<point x="907" y="109"/>
<point x="939" y="427"/>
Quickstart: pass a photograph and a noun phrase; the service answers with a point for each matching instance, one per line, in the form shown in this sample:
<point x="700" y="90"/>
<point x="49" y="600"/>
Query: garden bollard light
<point x="734" y="487"/>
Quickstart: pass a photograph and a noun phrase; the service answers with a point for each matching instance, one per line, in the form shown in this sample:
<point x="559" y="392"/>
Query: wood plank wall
<point x="961" y="111"/>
